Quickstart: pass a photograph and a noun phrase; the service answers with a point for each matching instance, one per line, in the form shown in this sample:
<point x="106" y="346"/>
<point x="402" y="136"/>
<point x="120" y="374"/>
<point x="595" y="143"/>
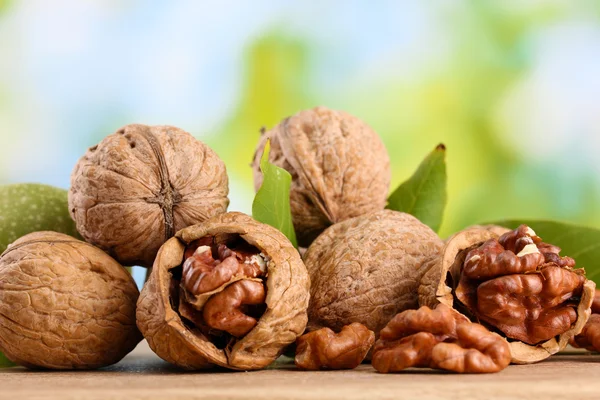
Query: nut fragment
<point x="64" y="304"/>
<point x="324" y="349"/>
<point x="340" y="168"/>
<point x="246" y="322"/>
<point x="440" y="338"/>
<point x="596" y="302"/>
<point x="367" y="269"/>
<point x="140" y="185"/>
<point x="589" y="338"/>
<point x="514" y="284"/>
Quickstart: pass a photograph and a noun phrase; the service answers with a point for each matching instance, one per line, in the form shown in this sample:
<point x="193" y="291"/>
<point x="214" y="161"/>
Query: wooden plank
<point x="142" y="375"/>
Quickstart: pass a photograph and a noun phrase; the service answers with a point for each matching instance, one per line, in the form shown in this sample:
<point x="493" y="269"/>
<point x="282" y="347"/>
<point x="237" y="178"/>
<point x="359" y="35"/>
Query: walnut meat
<point x="230" y="291"/>
<point x="140" y="185"/>
<point x="589" y="338"/>
<point x="440" y="338"/>
<point x="324" y="349"/>
<point x="596" y="302"/>
<point x="514" y="284"/>
<point x="64" y="304"/>
<point x="340" y="168"/>
<point x="367" y="269"/>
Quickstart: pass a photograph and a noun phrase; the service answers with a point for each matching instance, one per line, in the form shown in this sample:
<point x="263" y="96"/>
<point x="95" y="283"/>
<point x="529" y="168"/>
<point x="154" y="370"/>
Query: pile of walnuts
<point x="227" y="290"/>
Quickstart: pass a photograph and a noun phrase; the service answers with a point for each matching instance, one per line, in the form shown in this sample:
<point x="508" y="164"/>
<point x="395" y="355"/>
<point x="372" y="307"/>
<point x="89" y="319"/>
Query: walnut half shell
<point x="64" y="304"/>
<point x="514" y="284"/>
<point x="183" y="340"/>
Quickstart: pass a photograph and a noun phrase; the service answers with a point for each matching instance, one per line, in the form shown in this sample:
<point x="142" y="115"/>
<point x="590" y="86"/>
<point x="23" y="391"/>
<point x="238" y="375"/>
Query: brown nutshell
<point x="340" y="168"/>
<point x="65" y="304"/>
<point x="367" y="269"/>
<point x="248" y="319"/>
<point x="441" y="338"/>
<point x="324" y="349"/>
<point x="140" y="185"/>
<point x="514" y="284"/>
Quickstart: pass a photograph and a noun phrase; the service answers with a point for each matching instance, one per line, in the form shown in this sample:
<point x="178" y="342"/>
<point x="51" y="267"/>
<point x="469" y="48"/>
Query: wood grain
<point x="142" y="375"/>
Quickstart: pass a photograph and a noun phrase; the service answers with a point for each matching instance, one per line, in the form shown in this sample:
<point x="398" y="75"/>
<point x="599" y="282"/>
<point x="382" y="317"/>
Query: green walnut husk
<point x="32" y="207"/>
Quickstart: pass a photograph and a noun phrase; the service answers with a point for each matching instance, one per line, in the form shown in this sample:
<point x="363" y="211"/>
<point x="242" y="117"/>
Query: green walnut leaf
<point x="31" y="207"/>
<point x="424" y="193"/>
<point x="578" y="242"/>
<point x="5" y="362"/>
<point x="271" y="204"/>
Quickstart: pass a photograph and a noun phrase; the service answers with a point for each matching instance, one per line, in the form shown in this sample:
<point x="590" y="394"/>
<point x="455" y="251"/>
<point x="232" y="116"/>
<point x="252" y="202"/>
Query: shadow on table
<point x="148" y="366"/>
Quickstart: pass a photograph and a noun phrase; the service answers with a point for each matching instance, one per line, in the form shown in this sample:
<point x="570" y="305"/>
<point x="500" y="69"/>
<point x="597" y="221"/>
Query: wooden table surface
<point x="142" y="375"/>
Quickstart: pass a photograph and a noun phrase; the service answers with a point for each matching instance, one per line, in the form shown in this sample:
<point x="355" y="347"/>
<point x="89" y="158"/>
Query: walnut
<point x="324" y="349"/>
<point x="223" y="310"/>
<point x="367" y="269"/>
<point x="340" y="168"/>
<point x="440" y="338"/>
<point x="589" y="338"/>
<point x="64" y="304"/>
<point x="140" y="185"/>
<point x="596" y="302"/>
<point x="514" y="284"/>
<point x="252" y="306"/>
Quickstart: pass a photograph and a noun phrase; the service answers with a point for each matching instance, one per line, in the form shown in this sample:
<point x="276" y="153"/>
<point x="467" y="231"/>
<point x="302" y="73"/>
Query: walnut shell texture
<point x="140" y="185"/>
<point x="340" y="168"/>
<point x="283" y="321"/>
<point x="367" y="269"/>
<point x="434" y="289"/>
<point x="65" y="304"/>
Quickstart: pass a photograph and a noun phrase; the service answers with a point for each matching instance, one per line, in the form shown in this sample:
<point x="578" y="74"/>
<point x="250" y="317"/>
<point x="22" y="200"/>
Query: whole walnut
<point x="64" y="304"/>
<point x="140" y="185"/>
<point x="230" y="291"/>
<point x="340" y="168"/>
<point x="367" y="269"/>
<point x="514" y="284"/>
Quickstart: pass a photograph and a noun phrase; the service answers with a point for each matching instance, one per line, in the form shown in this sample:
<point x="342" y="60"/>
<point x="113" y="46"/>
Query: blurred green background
<point x="511" y="87"/>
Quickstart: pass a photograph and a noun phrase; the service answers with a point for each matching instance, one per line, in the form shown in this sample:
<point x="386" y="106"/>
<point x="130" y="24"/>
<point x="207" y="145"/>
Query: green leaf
<point x="424" y="194"/>
<point x="5" y="362"/>
<point x="581" y="243"/>
<point x="271" y="204"/>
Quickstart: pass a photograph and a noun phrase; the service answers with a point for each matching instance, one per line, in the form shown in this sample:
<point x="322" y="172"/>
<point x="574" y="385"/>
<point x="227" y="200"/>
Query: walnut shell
<point x="286" y="300"/>
<point x="140" y="185"/>
<point x="434" y="289"/>
<point x="367" y="269"/>
<point x="64" y="304"/>
<point x="340" y="168"/>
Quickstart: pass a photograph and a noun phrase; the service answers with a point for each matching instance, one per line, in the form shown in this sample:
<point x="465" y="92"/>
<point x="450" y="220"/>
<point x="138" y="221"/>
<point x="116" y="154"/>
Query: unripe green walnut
<point x="32" y="207"/>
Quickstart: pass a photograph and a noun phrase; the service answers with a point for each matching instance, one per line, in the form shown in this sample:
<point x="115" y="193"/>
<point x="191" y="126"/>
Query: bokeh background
<point x="512" y="87"/>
